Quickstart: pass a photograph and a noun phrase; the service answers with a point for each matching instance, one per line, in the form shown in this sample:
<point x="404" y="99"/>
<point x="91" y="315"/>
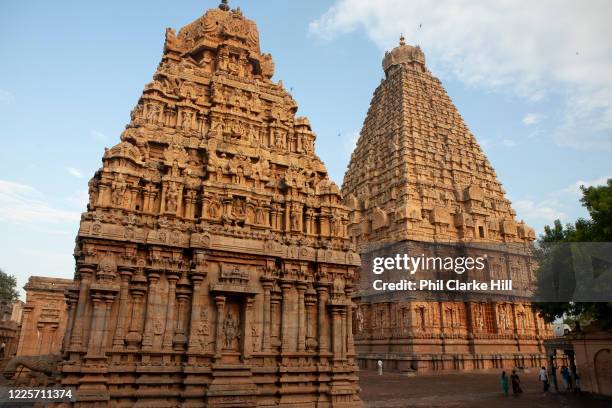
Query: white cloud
<point x="21" y="203"/>
<point x="97" y="135"/>
<point x="508" y="142"/>
<point x="532" y="119"/>
<point x="574" y="189"/>
<point x="533" y="49"/>
<point x="75" y="172"/>
<point x="538" y="214"/>
<point x="6" y="96"/>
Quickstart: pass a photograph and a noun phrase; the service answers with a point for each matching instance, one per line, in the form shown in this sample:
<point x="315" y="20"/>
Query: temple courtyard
<point x="473" y="390"/>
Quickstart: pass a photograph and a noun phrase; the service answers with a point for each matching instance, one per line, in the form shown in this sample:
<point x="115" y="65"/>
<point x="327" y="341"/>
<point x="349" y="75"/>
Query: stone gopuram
<point x="213" y="264"/>
<point x="418" y="183"/>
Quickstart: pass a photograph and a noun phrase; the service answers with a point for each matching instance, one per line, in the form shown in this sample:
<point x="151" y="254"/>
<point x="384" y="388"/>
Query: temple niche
<point x="418" y="183"/>
<point x="213" y="263"/>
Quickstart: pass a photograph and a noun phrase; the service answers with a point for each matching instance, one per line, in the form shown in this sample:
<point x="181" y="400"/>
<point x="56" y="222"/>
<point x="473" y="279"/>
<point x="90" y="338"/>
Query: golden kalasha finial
<point x="224" y="6"/>
<point x="402" y="40"/>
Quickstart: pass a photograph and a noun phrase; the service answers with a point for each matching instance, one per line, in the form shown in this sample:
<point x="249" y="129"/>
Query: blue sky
<point x="534" y="84"/>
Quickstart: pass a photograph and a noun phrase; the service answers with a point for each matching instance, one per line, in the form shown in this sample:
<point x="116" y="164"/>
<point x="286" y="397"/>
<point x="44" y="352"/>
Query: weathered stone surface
<point x="45" y="316"/>
<point x="593" y="359"/>
<point x="10" y="326"/>
<point x="418" y="177"/>
<point x="213" y="262"/>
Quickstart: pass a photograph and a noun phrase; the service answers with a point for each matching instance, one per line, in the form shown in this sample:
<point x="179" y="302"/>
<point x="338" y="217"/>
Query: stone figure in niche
<point x="503" y="318"/>
<point x="259" y="216"/>
<point x="119" y="188"/>
<point x="359" y="318"/>
<point x="186" y="124"/>
<point x="172" y="198"/>
<point x="295" y="221"/>
<point x="213" y="210"/>
<point x="153" y="113"/>
<point x="239" y="208"/>
<point x="479" y="319"/>
<point x="230" y="330"/>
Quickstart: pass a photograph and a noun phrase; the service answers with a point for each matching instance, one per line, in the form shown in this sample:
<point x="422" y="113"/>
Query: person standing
<point x="379" y="367"/>
<point x="544" y="378"/>
<point x="516" y="384"/>
<point x="567" y="380"/>
<point x="504" y="383"/>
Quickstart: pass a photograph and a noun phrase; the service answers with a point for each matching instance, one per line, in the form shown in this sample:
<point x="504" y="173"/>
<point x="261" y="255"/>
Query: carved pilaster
<point x="301" y="332"/>
<point x="138" y="288"/>
<point x="220" y="302"/>
<point x="267" y="287"/>
<point x="322" y="292"/>
<point x="78" y="332"/>
<point x="126" y="274"/>
<point x="170" y="312"/>
<point x="152" y="310"/>
<point x="182" y="295"/>
<point x="286" y="316"/>
<point x="196" y="312"/>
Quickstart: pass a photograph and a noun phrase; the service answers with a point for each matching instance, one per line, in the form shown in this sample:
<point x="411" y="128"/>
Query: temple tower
<point x="213" y="264"/>
<point x="418" y="183"/>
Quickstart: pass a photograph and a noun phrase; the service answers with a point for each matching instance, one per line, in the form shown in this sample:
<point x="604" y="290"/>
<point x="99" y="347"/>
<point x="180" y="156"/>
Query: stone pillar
<point x="182" y="295"/>
<point x="323" y="323"/>
<point x="343" y="335"/>
<point x="247" y="346"/>
<point x="286" y="316"/>
<point x="301" y="340"/>
<point x="97" y="325"/>
<point x="350" y="349"/>
<point x="108" y="326"/>
<point x="196" y="312"/>
<point x="71" y="301"/>
<point x="267" y="287"/>
<point x="442" y="317"/>
<point x="275" y="300"/>
<point x="118" y="339"/>
<point x="170" y="312"/>
<point x="308" y="221"/>
<point x="78" y="331"/>
<point x="220" y="302"/>
<point x="152" y="310"/>
<point x="138" y="288"/>
<point x="310" y="300"/>
<point x="337" y="333"/>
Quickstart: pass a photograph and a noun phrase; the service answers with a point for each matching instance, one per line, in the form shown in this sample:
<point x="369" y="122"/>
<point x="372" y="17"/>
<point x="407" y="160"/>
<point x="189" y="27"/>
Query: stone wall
<point x="593" y="357"/>
<point x="44" y="316"/>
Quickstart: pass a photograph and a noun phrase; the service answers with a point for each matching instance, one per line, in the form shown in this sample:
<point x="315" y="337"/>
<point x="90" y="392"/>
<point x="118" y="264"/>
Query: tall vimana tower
<point x="213" y="264"/>
<point x="418" y="183"/>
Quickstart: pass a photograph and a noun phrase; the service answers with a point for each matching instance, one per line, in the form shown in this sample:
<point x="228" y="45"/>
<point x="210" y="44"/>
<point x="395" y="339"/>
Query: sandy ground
<point x="479" y="390"/>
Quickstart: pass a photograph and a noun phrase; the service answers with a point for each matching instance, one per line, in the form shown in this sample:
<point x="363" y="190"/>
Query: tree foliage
<point x="598" y="228"/>
<point x="8" y="287"/>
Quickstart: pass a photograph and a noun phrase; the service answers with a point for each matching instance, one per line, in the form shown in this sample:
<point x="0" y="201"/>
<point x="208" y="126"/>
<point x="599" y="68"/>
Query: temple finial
<point x="402" y="39"/>
<point x="224" y="6"/>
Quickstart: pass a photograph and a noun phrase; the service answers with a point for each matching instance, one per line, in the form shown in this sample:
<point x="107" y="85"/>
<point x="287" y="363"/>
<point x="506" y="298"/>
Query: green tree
<point x="8" y="287"/>
<point x="598" y="228"/>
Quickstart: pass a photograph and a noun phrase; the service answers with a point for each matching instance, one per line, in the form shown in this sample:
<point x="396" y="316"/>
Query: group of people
<point x="515" y="381"/>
